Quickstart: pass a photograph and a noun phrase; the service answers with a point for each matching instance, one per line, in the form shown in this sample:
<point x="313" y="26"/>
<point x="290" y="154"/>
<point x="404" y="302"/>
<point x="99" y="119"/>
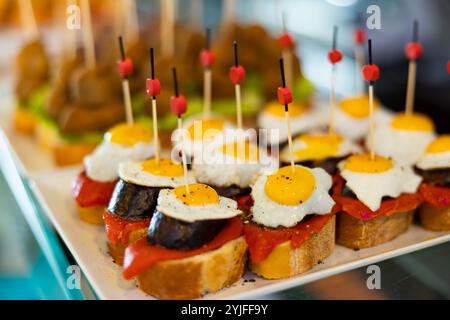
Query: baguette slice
<point x="433" y="218"/>
<point x="117" y="250"/>
<point x="356" y="234"/>
<point x="284" y="262"/>
<point x="193" y="277"/>
<point x="92" y="215"/>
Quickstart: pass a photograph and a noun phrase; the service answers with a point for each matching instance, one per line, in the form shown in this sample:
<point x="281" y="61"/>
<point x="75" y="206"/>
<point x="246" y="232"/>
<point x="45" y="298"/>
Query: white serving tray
<point x="88" y="245"/>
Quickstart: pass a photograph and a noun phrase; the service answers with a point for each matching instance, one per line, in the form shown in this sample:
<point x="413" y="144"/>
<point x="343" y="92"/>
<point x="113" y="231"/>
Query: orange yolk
<point x="412" y="122"/>
<point x="242" y="150"/>
<point x="440" y="144"/>
<point x="357" y="107"/>
<point x="290" y="188"/>
<point x="206" y="129"/>
<point x="165" y="167"/>
<point x="362" y="163"/>
<point x="129" y="134"/>
<point x="318" y="146"/>
<point x="277" y="110"/>
<point x="199" y="194"/>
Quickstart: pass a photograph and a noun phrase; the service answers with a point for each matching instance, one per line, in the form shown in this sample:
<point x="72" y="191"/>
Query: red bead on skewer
<point x="448" y="66"/>
<point x="286" y="41"/>
<point x="359" y="36"/>
<point x="370" y="71"/>
<point x="152" y="85"/>
<point x="237" y="72"/>
<point x="414" y="50"/>
<point x="334" y="55"/>
<point x="284" y="94"/>
<point x="178" y="104"/>
<point x="207" y="56"/>
<point x="124" y="65"/>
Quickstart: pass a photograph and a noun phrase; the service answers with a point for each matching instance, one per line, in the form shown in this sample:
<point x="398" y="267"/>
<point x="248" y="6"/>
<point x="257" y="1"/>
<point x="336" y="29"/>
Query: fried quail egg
<point x="272" y="117"/>
<point x="372" y="179"/>
<point x="233" y="163"/>
<point x="152" y="173"/>
<point x="122" y="142"/>
<point x="200" y="202"/>
<point x="404" y="138"/>
<point x="437" y="154"/>
<point x="319" y="146"/>
<point x="286" y="197"/>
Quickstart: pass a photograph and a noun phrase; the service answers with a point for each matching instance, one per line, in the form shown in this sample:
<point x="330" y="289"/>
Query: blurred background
<point x="25" y="272"/>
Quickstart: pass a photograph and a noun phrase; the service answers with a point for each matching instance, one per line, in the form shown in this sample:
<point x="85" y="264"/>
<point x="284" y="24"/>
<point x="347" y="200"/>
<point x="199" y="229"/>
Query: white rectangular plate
<point x="88" y="245"/>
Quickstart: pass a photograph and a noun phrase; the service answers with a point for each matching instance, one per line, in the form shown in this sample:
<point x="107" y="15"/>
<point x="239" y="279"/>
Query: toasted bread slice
<point x="193" y="277"/>
<point x="117" y="250"/>
<point x="284" y="262"/>
<point x="356" y="234"/>
<point x="92" y="215"/>
<point x="433" y="218"/>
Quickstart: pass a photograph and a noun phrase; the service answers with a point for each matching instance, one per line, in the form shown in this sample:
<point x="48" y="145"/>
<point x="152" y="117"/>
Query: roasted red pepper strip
<point x="90" y="193"/>
<point x="403" y="203"/>
<point x="438" y="196"/>
<point x="119" y="229"/>
<point x="141" y="255"/>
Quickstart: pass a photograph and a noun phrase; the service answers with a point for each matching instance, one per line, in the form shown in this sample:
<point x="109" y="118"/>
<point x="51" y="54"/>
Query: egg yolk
<point x="357" y="107"/>
<point x="440" y="144"/>
<point x="412" y="122"/>
<point x="206" y="129"/>
<point x="363" y="163"/>
<point x="289" y="187"/>
<point x="198" y="195"/>
<point x="129" y="134"/>
<point x="164" y="167"/>
<point x="318" y="146"/>
<point x="277" y="110"/>
<point x="242" y="150"/>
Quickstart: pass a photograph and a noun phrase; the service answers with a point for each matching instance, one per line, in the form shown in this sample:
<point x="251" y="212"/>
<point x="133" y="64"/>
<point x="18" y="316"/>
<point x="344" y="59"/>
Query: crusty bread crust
<point x="356" y="234"/>
<point x="193" y="277"/>
<point x="92" y="215"/>
<point x="24" y="121"/>
<point x="433" y="218"/>
<point x="284" y="262"/>
<point x="117" y="250"/>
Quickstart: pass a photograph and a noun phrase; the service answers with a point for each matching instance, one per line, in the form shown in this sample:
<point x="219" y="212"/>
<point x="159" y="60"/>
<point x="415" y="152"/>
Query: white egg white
<point x="272" y="214"/>
<point x="370" y="188"/>
<point x="102" y="165"/>
<point x="131" y="171"/>
<point x="276" y="126"/>
<point x="437" y="160"/>
<point x="223" y="170"/>
<point x="170" y="205"/>
<point x="403" y="146"/>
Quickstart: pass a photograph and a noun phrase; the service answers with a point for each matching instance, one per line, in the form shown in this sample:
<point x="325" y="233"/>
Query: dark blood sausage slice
<point x="176" y="234"/>
<point x="133" y="202"/>
<point x="232" y="191"/>
<point x="436" y="176"/>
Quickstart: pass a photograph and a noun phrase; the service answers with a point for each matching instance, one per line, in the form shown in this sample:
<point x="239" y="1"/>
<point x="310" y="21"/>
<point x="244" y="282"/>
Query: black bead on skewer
<point x="370" y="56"/>
<point x="283" y="80"/>
<point x="208" y="38"/>
<point x="121" y="47"/>
<point x="152" y="63"/>
<point x="415" y="35"/>
<point x="235" y="51"/>
<point x="175" y="82"/>
<point x="335" y="31"/>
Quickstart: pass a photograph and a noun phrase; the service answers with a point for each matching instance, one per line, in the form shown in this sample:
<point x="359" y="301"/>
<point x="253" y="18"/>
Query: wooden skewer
<point x="237" y="89"/>
<point x="88" y="37"/>
<point x="207" y="82"/>
<point x="126" y="88"/>
<point x="132" y="20"/>
<point x="288" y="120"/>
<point x="180" y="130"/>
<point x="154" y="113"/>
<point x="28" y="20"/>
<point x="229" y="8"/>
<point x="168" y="8"/>
<point x="412" y="71"/>
<point x="371" y="122"/>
